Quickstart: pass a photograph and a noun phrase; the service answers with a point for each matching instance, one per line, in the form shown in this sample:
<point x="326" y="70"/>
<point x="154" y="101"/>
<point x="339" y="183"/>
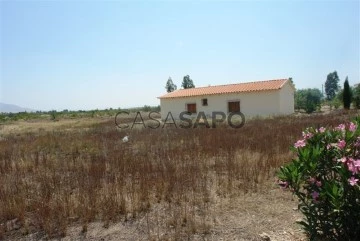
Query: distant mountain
<point x="8" y="108"/>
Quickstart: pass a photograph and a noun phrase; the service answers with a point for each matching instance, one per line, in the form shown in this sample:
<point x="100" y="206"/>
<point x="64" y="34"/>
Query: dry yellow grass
<point x="164" y="184"/>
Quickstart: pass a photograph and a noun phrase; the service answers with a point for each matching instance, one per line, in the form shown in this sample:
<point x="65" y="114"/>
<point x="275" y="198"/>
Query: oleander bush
<point x="325" y="178"/>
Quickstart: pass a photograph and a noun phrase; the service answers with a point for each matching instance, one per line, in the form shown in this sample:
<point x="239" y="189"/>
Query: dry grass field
<point x="79" y="181"/>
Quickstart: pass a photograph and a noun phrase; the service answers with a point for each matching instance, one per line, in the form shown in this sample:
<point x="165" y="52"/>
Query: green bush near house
<point x="325" y="178"/>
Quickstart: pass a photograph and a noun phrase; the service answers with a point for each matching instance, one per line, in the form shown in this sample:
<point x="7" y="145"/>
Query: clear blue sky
<point x="92" y="54"/>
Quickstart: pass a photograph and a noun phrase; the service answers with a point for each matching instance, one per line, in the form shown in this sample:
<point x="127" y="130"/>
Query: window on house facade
<point x="234" y="106"/>
<point x="191" y="108"/>
<point x="204" y="102"/>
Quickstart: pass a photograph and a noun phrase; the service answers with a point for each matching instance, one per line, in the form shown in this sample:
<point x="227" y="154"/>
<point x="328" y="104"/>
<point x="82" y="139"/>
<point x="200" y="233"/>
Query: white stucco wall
<point x="287" y="101"/>
<point x="261" y="103"/>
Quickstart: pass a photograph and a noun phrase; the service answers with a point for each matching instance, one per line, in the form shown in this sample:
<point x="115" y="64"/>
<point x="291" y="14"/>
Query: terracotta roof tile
<point x="226" y="89"/>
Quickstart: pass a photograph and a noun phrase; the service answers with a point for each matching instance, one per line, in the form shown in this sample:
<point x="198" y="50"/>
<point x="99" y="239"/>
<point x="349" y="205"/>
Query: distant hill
<point x="8" y="108"/>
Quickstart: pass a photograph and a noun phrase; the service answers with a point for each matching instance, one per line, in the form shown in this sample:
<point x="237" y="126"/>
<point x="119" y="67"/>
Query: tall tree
<point x="170" y="86"/>
<point x="331" y="85"/>
<point x="187" y="82"/>
<point x="347" y="96"/>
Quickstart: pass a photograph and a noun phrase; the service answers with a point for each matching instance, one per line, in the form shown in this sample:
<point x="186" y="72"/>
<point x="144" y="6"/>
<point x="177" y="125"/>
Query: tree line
<point x="187" y="83"/>
<point x="311" y="99"/>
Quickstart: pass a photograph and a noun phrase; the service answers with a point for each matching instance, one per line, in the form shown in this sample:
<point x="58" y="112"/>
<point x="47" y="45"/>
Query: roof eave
<point x="235" y="92"/>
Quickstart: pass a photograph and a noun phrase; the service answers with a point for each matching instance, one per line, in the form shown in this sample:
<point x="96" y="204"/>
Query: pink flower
<point x="322" y="129"/>
<point x="354" y="165"/>
<point x="312" y="180"/>
<point x="283" y="184"/>
<point x="300" y="143"/>
<point x="351" y="167"/>
<point x="341" y="144"/>
<point x="357" y="163"/>
<point x="353" y="181"/>
<point x="343" y="160"/>
<point x="352" y="127"/>
<point x="315" y="195"/>
<point x="341" y="127"/>
<point x="307" y="135"/>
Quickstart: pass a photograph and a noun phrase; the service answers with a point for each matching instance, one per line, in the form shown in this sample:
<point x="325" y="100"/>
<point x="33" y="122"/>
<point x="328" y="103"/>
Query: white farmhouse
<point x="260" y="98"/>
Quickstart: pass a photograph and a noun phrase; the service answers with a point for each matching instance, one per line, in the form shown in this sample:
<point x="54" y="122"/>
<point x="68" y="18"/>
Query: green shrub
<point x="356" y="97"/>
<point x="53" y="115"/>
<point x="325" y="178"/>
<point x="308" y="99"/>
<point x="336" y="103"/>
